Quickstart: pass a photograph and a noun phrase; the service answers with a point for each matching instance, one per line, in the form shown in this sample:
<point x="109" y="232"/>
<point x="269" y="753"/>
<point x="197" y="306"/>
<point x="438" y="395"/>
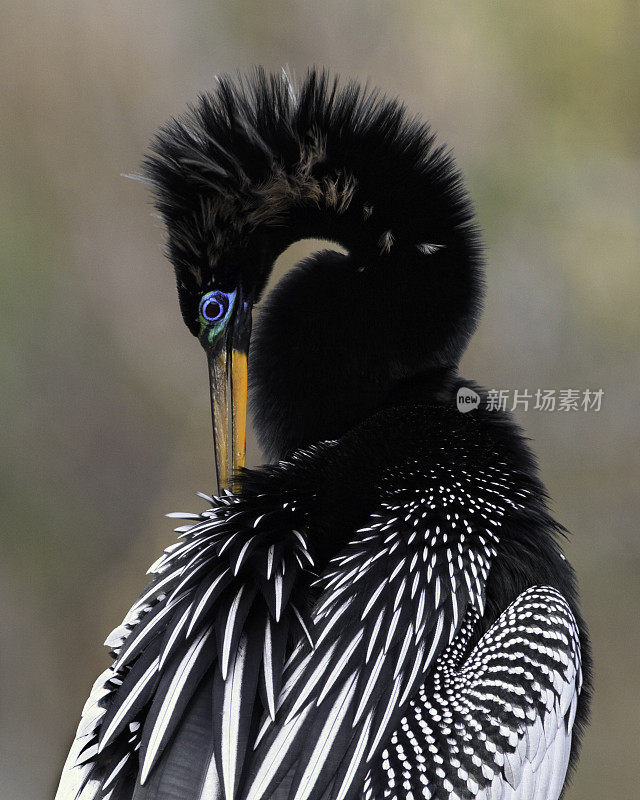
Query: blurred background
<point x="105" y="413"/>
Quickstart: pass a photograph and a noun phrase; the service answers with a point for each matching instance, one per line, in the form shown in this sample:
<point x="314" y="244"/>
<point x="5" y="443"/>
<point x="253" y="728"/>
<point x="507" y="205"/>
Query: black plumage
<point x="384" y="611"/>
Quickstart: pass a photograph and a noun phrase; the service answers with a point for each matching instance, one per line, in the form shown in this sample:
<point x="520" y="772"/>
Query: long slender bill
<point x="239" y="408"/>
<point x="228" y="386"/>
<point x="220" y="417"/>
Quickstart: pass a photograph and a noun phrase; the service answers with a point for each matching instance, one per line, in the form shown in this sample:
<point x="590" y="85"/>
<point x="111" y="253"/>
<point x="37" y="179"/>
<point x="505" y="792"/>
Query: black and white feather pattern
<point x="391" y="603"/>
<point x="224" y="602"/>
<point x="381" y="688"/>
<point x="496" y="722"/>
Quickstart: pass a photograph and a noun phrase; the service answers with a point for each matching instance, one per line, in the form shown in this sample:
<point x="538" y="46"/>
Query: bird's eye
<point x="215" y="308"/>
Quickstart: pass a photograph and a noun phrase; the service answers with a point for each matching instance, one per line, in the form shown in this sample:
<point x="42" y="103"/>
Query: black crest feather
<point x="258" y="163"/>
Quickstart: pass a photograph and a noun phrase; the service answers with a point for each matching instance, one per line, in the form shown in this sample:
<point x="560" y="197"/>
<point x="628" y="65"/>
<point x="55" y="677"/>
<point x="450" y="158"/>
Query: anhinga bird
<point x="384" y="611"/>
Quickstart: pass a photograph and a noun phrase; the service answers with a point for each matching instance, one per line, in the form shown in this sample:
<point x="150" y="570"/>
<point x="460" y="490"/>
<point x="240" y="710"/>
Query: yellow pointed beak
<point x="228" y="386"/>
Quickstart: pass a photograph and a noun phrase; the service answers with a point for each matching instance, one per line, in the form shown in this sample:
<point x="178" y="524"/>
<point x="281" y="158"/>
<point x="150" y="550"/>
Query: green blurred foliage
<point x="105" y="418"/>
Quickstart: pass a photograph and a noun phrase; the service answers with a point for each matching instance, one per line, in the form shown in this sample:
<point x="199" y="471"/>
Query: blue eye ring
<point x="215" y="309"/>
<point x="214" y="306"/>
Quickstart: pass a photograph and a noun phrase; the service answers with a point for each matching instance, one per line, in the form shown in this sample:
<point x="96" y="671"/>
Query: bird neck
<point x="435" y="384"/>
<point x="405" y="448"/>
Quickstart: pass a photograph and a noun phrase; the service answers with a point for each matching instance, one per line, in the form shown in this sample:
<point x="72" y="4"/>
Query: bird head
<point x="256" y="165"/>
